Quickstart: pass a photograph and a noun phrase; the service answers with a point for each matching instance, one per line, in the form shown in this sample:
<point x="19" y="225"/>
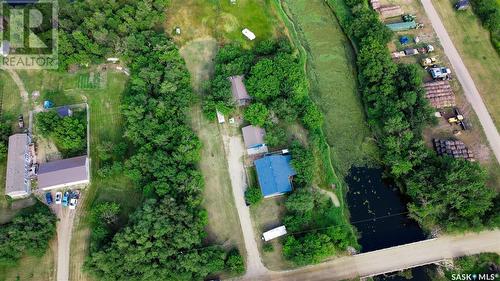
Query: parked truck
<point x="440" y="73"/>
<point x="274" y="233"/>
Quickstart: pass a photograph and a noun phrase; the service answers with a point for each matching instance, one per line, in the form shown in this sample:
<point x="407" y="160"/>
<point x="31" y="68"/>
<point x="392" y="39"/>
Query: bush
<point x="253" y="195"/>
<point x="234" y="262"/>
<point x="256" y="114"/>
<point x="267" y="247"/>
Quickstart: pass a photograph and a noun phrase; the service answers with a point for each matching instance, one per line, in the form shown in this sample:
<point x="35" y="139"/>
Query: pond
<point x="378" y="211"/>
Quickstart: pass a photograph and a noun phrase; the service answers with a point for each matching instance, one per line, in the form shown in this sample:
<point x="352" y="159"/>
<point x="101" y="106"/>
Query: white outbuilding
<point x="248" y="34"/>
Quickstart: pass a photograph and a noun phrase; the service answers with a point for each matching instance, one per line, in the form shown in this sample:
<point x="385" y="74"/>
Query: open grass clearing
<point x="474" y="46"/>
<point x="330" y="67"/>
<point x="221" y="20"/>
<point x="223" y="224"/>
<point x="267" y="215"/>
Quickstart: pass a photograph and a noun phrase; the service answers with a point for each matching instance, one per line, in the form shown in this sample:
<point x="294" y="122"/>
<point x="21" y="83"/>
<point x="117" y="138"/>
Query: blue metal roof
<point x="274" y="172"/>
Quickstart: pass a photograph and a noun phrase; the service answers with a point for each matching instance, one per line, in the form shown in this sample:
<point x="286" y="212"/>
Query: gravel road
<point x="392" y="259"/>
<point x="470" y="90"/>
<point x="64" y="230"/>
<point x="235" y="150"/>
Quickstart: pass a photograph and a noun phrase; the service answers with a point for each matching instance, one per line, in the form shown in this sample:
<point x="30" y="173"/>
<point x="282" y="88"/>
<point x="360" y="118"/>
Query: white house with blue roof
<point x="275" y="174"/>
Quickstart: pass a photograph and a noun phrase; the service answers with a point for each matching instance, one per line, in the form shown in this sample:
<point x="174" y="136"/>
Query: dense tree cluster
<point x="5" y="132"/>
<point x="314" y="234"/>
<point x="69" y="133"/>
<point x="163" y="240"/>
<point x="397" y="111"/>
<point x="485" y="263"/>
<point x="28" y="233"/>
<point x="91" y="30"/>
<point x="489" y="13"/>
<point x="103" y="219"/>
<point x="274" y="78"/>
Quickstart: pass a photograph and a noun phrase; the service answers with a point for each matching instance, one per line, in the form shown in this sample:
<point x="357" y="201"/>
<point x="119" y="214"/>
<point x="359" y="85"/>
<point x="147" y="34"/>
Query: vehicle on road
<point x="72" y="203"/>
<point x="58" y="197"/>
<point x="48" y="198"/>
<point x="65" y="199"/>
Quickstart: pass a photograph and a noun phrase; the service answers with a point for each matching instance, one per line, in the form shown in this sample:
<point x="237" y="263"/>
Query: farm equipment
<point x="440" y="73"/>
<point x="458" y="119"/>
<point x="428" y="62"/>
<point x="408" y="17"/>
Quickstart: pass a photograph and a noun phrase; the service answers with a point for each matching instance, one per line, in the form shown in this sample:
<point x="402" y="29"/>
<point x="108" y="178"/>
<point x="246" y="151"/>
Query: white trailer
<point x="274" y="233"/>
<point x="248" y="34"/>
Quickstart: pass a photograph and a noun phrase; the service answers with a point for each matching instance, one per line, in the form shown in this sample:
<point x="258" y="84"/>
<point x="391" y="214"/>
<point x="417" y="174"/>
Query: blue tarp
<point x="274" y="172"/>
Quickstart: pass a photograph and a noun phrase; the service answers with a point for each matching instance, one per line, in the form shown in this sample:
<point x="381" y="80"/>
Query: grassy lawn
<point x="32" y="268"/>
<point x="223" y="223"/>
<point x="330" y="67"/>
<point x="266" y="215"/>
<point x="473" y="43"/>
<point x="221" y="20"/>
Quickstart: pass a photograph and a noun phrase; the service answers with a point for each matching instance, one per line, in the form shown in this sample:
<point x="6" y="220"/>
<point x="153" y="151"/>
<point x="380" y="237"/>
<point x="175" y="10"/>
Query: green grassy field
<point x="223" y="223"/>
<point x="221" y="20"/>
<point x="330" y="66"/>
<point x="473" y="43"/>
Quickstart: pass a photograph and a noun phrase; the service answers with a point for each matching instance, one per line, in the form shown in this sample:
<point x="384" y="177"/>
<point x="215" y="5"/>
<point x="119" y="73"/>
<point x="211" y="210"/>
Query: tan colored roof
<point x="238" y="88"/>
<point x="253" y="136"/>
<point x="17" y="182"/>
<point x="390" y="11"/>
<point x="63" y="172"/>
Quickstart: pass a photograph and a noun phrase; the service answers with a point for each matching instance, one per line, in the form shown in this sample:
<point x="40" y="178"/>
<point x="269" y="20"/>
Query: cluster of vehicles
<point x="68" y="199"/>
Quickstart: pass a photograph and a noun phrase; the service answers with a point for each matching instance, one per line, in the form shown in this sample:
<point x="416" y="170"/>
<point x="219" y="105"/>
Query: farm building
<point x="274" y="173"/>
<point x="390" y="11"/>
<point x="17" y="183"/>
<point x="254" y="140"/>
<point x="453" y="148"/>
<point x="64" y="173"/>
<point x="240" y="94"/>
<point x="440" y="94"/>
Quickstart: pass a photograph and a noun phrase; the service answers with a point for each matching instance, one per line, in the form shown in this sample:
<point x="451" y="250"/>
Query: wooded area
<point x="28" y="233"/>
<point x="489" y="13"/>
<point x="163" y="239"/>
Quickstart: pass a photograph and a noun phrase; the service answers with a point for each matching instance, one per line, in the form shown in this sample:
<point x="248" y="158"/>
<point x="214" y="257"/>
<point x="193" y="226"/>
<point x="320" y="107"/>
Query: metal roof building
<point x="240" y="94"/>
<point x="63" y="173"/>
<point x="17" y="182"/>
<point x="254" y="139"/>
<point x="275" y="174"/>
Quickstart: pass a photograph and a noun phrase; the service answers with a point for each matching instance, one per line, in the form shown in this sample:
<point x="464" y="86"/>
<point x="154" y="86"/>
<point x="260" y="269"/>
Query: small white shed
<point x="248" y="34"/>
<point x="220" y="118"/>
<point x="274" y="233"/>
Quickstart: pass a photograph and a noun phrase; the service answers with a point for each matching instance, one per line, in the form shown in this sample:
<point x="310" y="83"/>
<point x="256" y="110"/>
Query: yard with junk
<point x="418" y="44"/>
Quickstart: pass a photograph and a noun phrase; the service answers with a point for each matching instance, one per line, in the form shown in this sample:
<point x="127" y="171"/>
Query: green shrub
<point x="253" y="195"/>
<point x="267" y="247"/>
<point x="256" y="114"/>
<point x="234" y="262"/>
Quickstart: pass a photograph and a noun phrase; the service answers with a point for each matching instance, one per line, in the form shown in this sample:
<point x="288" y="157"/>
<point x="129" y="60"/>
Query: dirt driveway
<point x="64" y="230"/>
<point x="235" y="150"/>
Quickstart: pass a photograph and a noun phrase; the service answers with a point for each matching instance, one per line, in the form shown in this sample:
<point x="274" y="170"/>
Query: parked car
<point x="58" y="197"/>
<point x="72" y="203"/>
<point x="65" y="199"/>
<point x="48" y="198"/>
